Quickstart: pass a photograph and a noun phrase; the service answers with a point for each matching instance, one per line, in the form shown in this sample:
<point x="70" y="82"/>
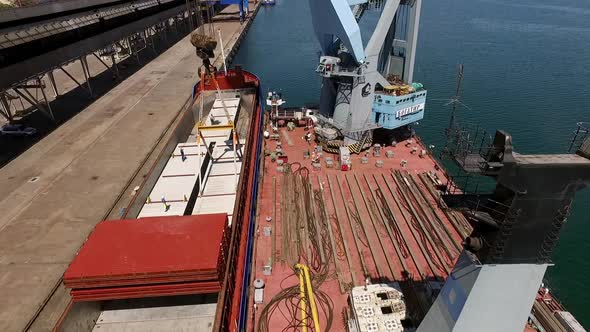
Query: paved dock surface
<point x="54" y="193"/>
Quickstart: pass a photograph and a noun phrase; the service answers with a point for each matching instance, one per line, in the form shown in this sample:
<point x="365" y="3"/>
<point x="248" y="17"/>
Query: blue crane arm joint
<point x="334" y="18"/>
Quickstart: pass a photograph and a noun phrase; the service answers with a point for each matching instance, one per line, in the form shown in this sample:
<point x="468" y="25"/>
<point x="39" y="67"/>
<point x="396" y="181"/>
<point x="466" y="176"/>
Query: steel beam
<point x="328" y="224"/>
<point x="72" y="77"/>
<point x="35" y="66"/>
<point x="31" y="86"/>
<point x="53" y="84"/>
<point x="339" y="223"/>
<point x="6" y="112"/>
<point x="86" y="71"/>
<point x="33" y="101"/>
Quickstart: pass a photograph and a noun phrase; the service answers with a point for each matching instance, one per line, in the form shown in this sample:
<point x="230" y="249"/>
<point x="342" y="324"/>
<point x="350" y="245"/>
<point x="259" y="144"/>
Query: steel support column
<point x="86" y="71"/>
<point x="73" y="78"/>
<point x="190" y="16"/>
<point x="29" y="98"/>
<point x="151" y="36"/>
<point x="42" y="87"/>
<point x="53" y="84"/>
<point x="132" y="52"/>
<point x="115" y="65"/>
<point x="7" y="113"/>
<point x="163" y="31"/>
<point x="116" y="73"/>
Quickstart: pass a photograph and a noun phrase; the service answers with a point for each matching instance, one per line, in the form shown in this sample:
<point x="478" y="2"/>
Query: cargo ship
<point x="180" y="255"/>
<point x="334" y="216"/>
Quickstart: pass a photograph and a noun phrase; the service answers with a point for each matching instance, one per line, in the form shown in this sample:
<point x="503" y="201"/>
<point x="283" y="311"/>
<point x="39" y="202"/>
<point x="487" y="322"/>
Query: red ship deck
<point x="383" y="223"/>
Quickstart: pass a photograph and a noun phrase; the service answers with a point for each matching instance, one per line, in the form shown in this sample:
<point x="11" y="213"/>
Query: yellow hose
<point x="314" y="309"/>
<point x="302" y="294"/>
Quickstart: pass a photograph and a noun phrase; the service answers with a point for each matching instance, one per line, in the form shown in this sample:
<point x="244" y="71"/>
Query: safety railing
<point x="580" y="135"/>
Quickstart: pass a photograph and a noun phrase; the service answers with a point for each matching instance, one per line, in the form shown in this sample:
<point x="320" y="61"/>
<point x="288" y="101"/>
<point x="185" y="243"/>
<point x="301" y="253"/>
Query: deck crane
<point x="350" y="72"/>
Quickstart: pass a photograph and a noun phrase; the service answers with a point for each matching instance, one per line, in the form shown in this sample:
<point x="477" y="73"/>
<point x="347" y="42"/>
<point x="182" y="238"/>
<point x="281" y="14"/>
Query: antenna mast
<point x="452" y="131"/>
<point x="456" y="99"/>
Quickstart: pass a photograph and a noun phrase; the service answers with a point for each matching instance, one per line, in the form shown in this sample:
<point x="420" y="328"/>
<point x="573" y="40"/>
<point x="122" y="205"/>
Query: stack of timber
<point x="148" y="257"/>
<point x="551" y="315"/>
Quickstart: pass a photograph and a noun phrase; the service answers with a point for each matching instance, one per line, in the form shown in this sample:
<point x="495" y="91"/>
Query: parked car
<point x="17" y="129"/>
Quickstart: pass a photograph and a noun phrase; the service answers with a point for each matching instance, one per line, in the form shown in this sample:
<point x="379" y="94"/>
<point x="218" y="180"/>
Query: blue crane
<point x="352" y="73"/>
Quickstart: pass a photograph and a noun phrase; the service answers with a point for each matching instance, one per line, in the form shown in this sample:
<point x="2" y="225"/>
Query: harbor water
<point x="527" y="70"/>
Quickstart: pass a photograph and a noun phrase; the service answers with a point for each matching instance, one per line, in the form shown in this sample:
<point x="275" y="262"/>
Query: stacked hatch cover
<point x="148" y="257"/>
<point x="219" y="187"/>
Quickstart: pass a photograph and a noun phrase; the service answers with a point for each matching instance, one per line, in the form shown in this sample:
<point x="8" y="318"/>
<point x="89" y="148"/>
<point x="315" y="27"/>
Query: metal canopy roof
<point x="21" y="34"/>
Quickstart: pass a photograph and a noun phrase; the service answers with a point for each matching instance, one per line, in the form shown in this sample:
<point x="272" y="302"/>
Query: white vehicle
<point x="17" y="130"/>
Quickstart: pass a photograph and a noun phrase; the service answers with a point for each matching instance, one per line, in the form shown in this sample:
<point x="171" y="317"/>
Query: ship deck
<point x="383" y="223"/>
